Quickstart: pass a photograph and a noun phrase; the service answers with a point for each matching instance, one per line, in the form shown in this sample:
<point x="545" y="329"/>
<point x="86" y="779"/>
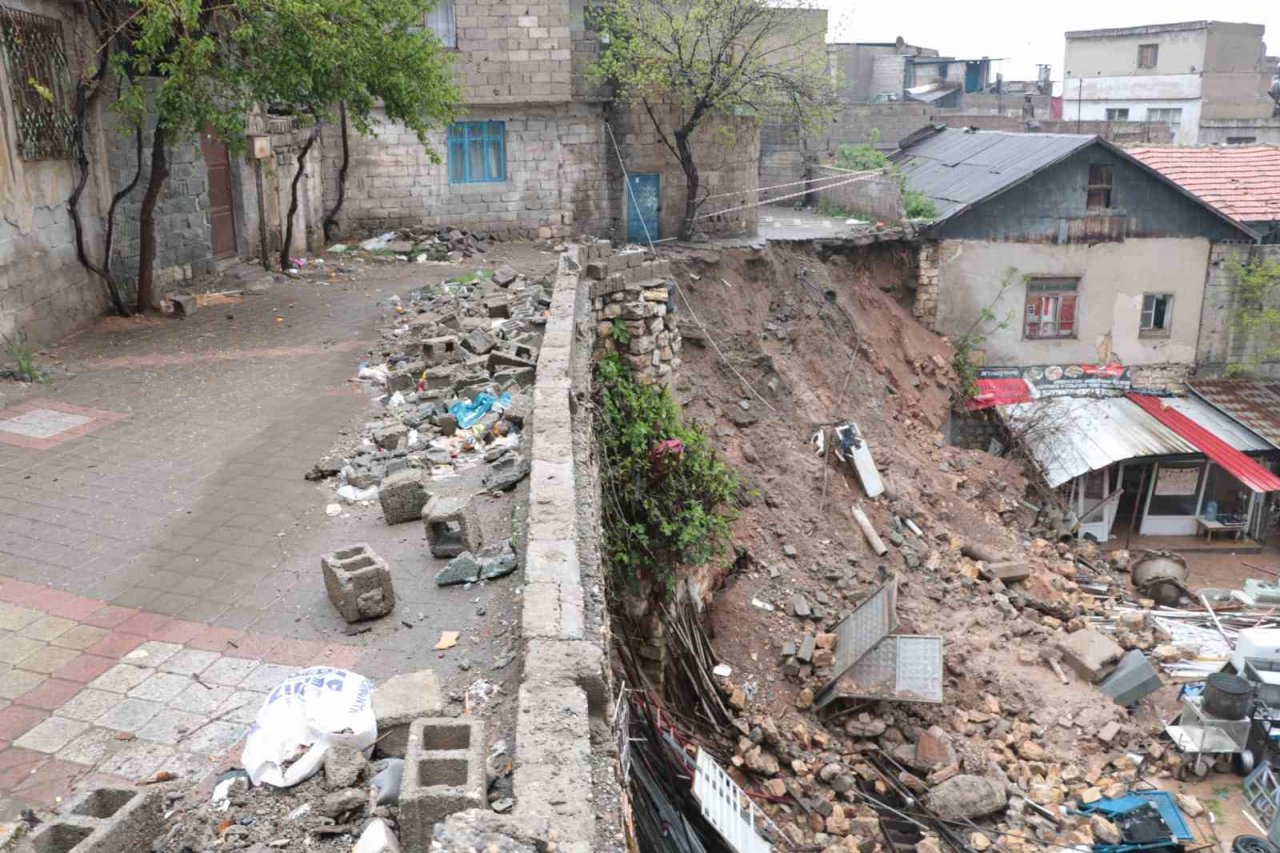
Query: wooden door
<point x="222" y="220"/>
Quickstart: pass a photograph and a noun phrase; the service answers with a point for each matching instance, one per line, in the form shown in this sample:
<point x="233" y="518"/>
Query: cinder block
<point x="359" y="583"/>
<point x="1089" y="652"/>
<point x="403" y="496"/>
<point x="441" y="350"/>
<point x="105" y="820"/>
<point x="400" y="700"/>
<point x="443" y="773"/>
<point x="452" y="526"/>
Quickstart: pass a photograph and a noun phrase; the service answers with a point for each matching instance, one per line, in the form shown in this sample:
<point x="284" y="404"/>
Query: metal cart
<point x="1208" y="741"/>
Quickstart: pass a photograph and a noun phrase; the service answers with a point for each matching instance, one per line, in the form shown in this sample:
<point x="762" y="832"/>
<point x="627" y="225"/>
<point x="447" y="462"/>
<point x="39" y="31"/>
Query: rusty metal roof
<point x="1254" y="404"/>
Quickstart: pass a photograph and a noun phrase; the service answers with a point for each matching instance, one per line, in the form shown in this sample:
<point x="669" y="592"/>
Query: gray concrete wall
<point x="1115" y="54"/>
<point x="972" y="273"/>
<point x="878" y="198"/>
<point x="1265" y="131"/>
<point x="555" y="177"/>
<point x="1222" y="342"/>
<point x="727" y="151"/>
<point x="44" y="291"/>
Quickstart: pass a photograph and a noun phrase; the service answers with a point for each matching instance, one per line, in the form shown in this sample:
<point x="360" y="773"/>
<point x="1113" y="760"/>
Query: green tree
<point x="202" y="66"/>
<point x="711" y="59"/>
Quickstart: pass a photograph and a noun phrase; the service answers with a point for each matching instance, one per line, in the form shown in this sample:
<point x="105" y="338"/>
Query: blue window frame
<point x="477" y="152"/>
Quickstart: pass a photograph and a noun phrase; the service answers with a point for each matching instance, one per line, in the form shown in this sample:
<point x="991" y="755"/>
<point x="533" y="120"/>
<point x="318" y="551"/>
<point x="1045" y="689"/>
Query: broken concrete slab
<point x="358" y="582"/>
<point x="504" y="275"/>
<point x="403" y="496"/>
<point x="399" y="701"/>
<point x="966" y="797"/>
<point x="506" y="473"/>
<point x="1008" y="571"/>
<point x="479" y="342"/>
<point x="390" y="437"/>
<point x="1089" y="653"/>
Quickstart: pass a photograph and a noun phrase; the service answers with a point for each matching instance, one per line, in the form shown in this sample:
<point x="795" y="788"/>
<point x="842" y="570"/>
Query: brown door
<point x="222" y="220"/>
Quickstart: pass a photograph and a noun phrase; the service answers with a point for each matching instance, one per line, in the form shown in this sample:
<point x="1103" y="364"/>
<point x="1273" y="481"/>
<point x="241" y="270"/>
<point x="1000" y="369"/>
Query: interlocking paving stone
<point x="51" y="735"/>
<point x="48" y="659"/>
<point x="14" y="618"/>
<point x="42" y="423"/>
<point x="189" y="662"/>
<point x="137" y="760"/>
<point x="93" y="747"/>
<point x="230" y="671"/>
<point x="121" y="678"/>
<point x="130" y="715"/>
<point x="199" y="699"/>
<point x="215" y="738"/>
<point x="241" y="707"/>
<point x="16" y="682"/>
<point x="48" y="628"/>
<point x="80" y="637"/>
<point x="89" y="704"/>
<point x="267" y="676"/>
<point x="14" y="648"/>
<point x="170" y="725"/>
<point x="152" y="653"/>
<point x="161" y="687"/>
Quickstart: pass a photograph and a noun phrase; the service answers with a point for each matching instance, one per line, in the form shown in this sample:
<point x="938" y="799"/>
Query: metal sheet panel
<point x="870" y="622"/>
<point x="903" y="668"/>
<point x="1070" y="436"/>
<point x="1255" y="405"/>
<point x="727" y="807"/>
<point x="957" y="168"/>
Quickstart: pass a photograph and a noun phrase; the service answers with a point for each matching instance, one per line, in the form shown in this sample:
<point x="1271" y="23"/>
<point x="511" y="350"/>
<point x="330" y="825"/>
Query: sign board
<point x="999" y="386"/>
<point x="1177" y="481"/>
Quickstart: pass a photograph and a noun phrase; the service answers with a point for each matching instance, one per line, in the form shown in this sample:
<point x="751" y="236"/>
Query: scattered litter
<point x="333" y="510"/>
<point x="763" y="605"/>
<point x="448" y="639"/>
<point x="384" y="787"/>
<point x="377" y="838"/>
<point x="351" y="494"/>
<point x="722" y="670"/>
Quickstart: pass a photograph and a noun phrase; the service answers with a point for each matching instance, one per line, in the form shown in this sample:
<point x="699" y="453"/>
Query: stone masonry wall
<point x="633" y="292"/>
<point x="878" y="197"/>
<point x="925" y="308"/>
<point x="1220" y="344"/>
<point x="555" y="182"/>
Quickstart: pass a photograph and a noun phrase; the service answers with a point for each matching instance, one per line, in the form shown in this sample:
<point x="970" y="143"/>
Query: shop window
<point x="1050" y="308"/>
<point x="442" y="21"/>
<point x="1117" y="113"/>
<point x="477" y="152"/>
<point x="1225" y="498"/>
<point x="31" y="48"/>
<point x="1148" y="54"/>
<point x="1176" y="489"/>
<point x="1101" y="181"/>
<point x="1157" y="315"/>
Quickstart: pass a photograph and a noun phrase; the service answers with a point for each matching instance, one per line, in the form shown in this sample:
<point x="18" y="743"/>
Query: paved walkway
<point x="154" y="501"/>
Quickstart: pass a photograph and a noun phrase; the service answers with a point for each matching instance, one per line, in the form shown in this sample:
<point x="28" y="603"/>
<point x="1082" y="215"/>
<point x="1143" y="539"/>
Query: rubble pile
<point x="1029" y="626"/>
<point x="457" y="368"/>
<point x="421" y="245"/>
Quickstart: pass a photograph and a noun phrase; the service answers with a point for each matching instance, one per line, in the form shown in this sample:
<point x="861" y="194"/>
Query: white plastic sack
<point x="301" y="718"/>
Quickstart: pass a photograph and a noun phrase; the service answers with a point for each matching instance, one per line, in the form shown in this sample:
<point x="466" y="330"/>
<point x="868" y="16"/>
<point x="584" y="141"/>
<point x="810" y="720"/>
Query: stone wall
<point x="555" y="177"/>
<point x="727" y="151"/>
<point x="1161" y="377"/>
<point x="631" y="292"/>
<point x="287" y="140"/>
<point x="925" y="307"/>
<point x="1120" y="132"/>
<point x="1221" y="344"/>
<point x="878" y="197"/>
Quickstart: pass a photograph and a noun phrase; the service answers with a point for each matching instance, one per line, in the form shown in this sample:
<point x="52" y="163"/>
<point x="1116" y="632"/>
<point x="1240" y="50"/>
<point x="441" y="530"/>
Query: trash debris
<point x="384" y="787"/>
<point x="448" y="639"/>
<point x="305" y="715"/>
<point x="377" y="837"/>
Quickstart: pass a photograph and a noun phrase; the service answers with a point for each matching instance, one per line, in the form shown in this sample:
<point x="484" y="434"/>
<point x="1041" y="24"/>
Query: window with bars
<point x="442" y="21"/>
<point x="1050" y="308"/>
<point x="1157" y="314"/>
<point x="34" y="60"/>
<point x="1101" y="182"/>
<point x="477" y="152"/>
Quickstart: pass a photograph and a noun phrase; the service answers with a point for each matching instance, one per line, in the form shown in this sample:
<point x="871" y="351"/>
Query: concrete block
<point x="443" y="773"/>
<point x="389" y="437"/>
<point x="403" y="496"/>
<point x="1009" y="571"/>
<point x="1089" y="652"/>
<point x="184" y="304"/>
<point x="452" y="526"/>
<point x="479" y="342"/>
<point x="399" y="701"/>
<point x="104" y="820"/>
<point x="359" y="583"/>
<point x="442" y="350"/>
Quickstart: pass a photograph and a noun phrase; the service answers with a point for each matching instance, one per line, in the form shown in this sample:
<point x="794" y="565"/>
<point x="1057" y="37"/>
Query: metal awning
<point x="1070" y="436"/>
<point x="1256" y="404"/>
<point x="1217" y="447"/>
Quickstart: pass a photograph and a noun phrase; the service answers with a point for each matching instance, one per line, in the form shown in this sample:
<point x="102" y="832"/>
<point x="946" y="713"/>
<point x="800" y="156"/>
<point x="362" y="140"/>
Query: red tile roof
<point x="1242" y="181"/>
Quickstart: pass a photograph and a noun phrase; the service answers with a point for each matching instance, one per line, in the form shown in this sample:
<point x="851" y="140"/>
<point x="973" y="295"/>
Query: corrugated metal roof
<point x="1254" y="404"/>
<point x="1242" y="181"/>
<point x="1070" y="436"/>
<point x="1224" y="427"/>
<point x="1242" y="467"/>
<point x="957" y="168"/>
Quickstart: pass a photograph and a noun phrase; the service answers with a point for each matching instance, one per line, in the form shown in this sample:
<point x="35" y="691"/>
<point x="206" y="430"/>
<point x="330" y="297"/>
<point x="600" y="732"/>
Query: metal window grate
<point x="37" y="68"/>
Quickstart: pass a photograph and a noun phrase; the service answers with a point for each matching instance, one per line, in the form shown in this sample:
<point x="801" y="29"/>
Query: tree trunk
<point x="148" y="296"/>
<point x="331" y="221"/>
<point x="286" y="263"/>
<point x="692" y="183"/>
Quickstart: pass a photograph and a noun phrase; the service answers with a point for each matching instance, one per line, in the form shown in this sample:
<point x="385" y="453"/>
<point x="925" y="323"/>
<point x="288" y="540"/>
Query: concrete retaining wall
<point x="878" y="197"/>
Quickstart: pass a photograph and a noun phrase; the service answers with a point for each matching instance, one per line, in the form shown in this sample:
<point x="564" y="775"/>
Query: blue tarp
<point x="468" y="412"/>
<point x="1163" y="801"/>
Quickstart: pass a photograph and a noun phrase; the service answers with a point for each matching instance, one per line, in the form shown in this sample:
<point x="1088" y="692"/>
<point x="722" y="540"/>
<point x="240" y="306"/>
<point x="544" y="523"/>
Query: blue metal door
<point x="643" y="193"/>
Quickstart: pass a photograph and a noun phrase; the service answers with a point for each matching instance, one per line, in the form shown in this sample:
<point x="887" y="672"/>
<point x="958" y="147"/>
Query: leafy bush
<point x="860" y="158"/>
<point x="666" y="494"/>
<point x="917" y="205"/>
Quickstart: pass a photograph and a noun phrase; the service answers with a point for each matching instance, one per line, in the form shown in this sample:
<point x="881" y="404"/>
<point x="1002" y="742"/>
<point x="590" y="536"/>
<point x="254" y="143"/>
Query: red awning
<point x="1240" y="466"/>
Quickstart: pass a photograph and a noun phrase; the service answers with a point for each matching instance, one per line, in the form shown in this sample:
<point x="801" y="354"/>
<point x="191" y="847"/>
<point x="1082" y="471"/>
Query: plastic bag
<point x="468" y="412"/>
<point x="304" y="716"/>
